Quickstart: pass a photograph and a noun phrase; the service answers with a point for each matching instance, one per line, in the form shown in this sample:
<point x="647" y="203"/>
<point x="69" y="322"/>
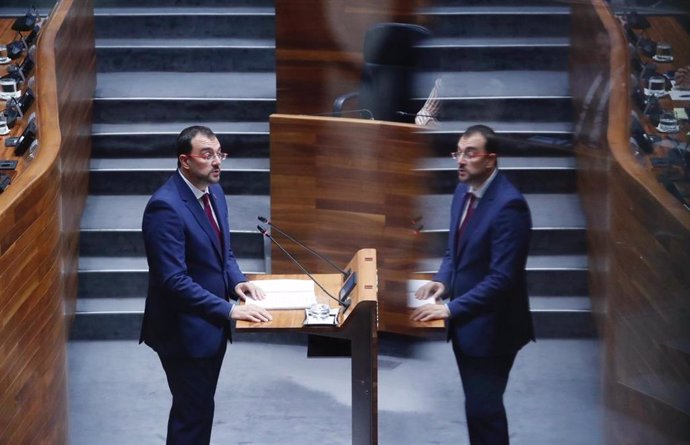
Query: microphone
<point x="404" y="113"/>
<point x="308" y="249"/>
<point x="267" y="235"/>
<point x="338" y="113"/>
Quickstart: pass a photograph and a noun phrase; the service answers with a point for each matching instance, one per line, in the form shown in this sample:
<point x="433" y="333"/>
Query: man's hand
<point x="250" y="312"/>
<point x="432" y="289"/>
<point x="246" y="288"/>
<point x="430" y="312"/>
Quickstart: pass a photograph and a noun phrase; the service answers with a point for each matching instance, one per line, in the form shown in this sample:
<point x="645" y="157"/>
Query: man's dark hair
<point x="184" y="139"/>
<point x="488" y="133"/>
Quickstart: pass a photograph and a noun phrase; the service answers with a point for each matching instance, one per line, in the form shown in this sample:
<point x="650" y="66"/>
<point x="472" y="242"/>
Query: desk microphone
<point x="302" y="268"/>
<point x="346" y="273"/>
<point x="404" y="113"/>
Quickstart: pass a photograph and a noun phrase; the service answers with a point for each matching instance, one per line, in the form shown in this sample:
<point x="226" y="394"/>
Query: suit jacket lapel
<point x="194" y="207"/>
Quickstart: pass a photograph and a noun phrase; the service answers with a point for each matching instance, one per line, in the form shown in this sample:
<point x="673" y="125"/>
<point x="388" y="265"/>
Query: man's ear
<point x="184" y="161"/>
<point x="492" y="161"/>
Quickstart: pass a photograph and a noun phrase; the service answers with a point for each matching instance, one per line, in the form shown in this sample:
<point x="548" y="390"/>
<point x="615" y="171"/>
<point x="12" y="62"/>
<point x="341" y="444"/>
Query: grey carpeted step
<point x="185" y="21"/>
<point x="495" y="84"/>
<point x="120" y="317"/>
<point x="504" y="108"/>
<point x="499" y="20"/>
<point x="564" y="275"/>
<point x="558" y="225"/>
<point x="239" y="139"/>
<point x="130" y="97"/>
<point x="185" y="55"/>
<point x="503" y="96"/>
<point x="529" y="174"/>
<point x="494" y="53"/>
<point x="112" y="277"/>
<point x="521" y="138"/>
<point x="196" y="85"/>
<point x="135" y="176"/>
<point x="180" y="3"/>
<point x="111" y="225"/>
<point x="125" y="212"/>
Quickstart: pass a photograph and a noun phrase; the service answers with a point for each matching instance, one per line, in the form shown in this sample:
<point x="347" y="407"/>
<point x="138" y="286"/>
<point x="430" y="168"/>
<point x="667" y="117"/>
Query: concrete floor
<point x="272" y="394"/>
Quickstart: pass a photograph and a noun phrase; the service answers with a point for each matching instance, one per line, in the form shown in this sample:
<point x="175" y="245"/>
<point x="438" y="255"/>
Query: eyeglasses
<point x="467" y="154"/>
<point x="208" y="157"/>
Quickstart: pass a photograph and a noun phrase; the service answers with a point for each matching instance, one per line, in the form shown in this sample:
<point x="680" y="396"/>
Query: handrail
<point x="39" y="228"/>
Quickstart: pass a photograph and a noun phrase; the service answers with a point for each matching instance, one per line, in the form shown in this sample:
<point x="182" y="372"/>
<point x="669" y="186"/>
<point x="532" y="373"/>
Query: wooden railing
<point x="39" y="227"/>
<point x="639" y="246"/>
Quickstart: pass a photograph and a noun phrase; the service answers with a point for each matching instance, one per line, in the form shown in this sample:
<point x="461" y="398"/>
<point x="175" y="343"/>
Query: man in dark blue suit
<point x="192" y="273"/>
<point x="483" y="274"/>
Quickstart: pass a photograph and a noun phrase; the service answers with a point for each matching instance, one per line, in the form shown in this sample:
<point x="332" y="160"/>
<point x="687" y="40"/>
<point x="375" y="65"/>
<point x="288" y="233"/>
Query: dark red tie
<point x="209" y="215"/>
<point x="470" y="210"/>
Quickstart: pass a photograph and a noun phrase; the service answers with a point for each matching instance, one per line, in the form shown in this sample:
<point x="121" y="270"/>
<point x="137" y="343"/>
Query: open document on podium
<point x="285" y="294"/>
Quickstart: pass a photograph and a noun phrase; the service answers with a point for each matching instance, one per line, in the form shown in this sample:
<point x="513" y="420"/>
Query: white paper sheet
<point x="412" y="286"/>
<point x="285" y="294"/>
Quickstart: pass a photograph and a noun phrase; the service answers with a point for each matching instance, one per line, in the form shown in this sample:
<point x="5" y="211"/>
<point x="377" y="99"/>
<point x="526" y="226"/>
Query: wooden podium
<point x="358" y="324"/>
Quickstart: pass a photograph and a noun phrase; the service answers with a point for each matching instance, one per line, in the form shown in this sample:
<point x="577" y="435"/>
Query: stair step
<point x="526" y="128"/>
<point x="130" y="242"/>
<point x="190" y="22"/>
<point x="185" y="55"/>
<point x="195" y="109"/>
<point x="239" y="139"/>
<point x="528" y="174"/>
<point x="508" y="84"/>
<point x="556" y="210"/>
<point x="191" y="86"/>
<point x="185" y="11"/>
<point x="129" y="97"/>
<point x="124" y="212"/>
<point x="131" y="176"/>
<point x="100" y="4"/>
<point x="520" y="138"/>
<point x="138" y="264"/>
<point x="564" y="274"/>
<point x="112" y="277"/>
<point x="169" y="165"/>
<point x="110" y="318"/>
<point x="494" y="53"/>
<point x="535" y="263"/>
<point x="544" y="241"/>
<point x="504" y="96"/>
<point x="499" y="20"/>
<point x="446" y="163"/>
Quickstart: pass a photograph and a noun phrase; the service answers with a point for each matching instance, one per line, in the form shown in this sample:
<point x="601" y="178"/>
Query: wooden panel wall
<point x="340" y="185"/>
<point x="322" y="58"/>
<point x="39" y="223"/>
<point x="639" y="253"/>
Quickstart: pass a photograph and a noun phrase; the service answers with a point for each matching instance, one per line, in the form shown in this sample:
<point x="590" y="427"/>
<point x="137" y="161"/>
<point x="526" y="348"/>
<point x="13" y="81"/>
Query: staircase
<point x="162" y="66"/>
<point x="505" y="64"/>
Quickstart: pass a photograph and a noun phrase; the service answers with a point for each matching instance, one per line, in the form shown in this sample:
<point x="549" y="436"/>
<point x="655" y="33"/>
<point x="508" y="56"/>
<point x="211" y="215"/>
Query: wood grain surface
<point x="339" y="185"/>
<point x="639" y="252"/>
<point x="39" y="226"/>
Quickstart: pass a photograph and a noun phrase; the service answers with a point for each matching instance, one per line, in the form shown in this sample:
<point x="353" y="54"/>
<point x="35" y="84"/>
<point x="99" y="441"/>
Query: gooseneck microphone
<point x="302" y="268"/>
<point x="346" y="273"/>
<point x="405" y="113"/>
